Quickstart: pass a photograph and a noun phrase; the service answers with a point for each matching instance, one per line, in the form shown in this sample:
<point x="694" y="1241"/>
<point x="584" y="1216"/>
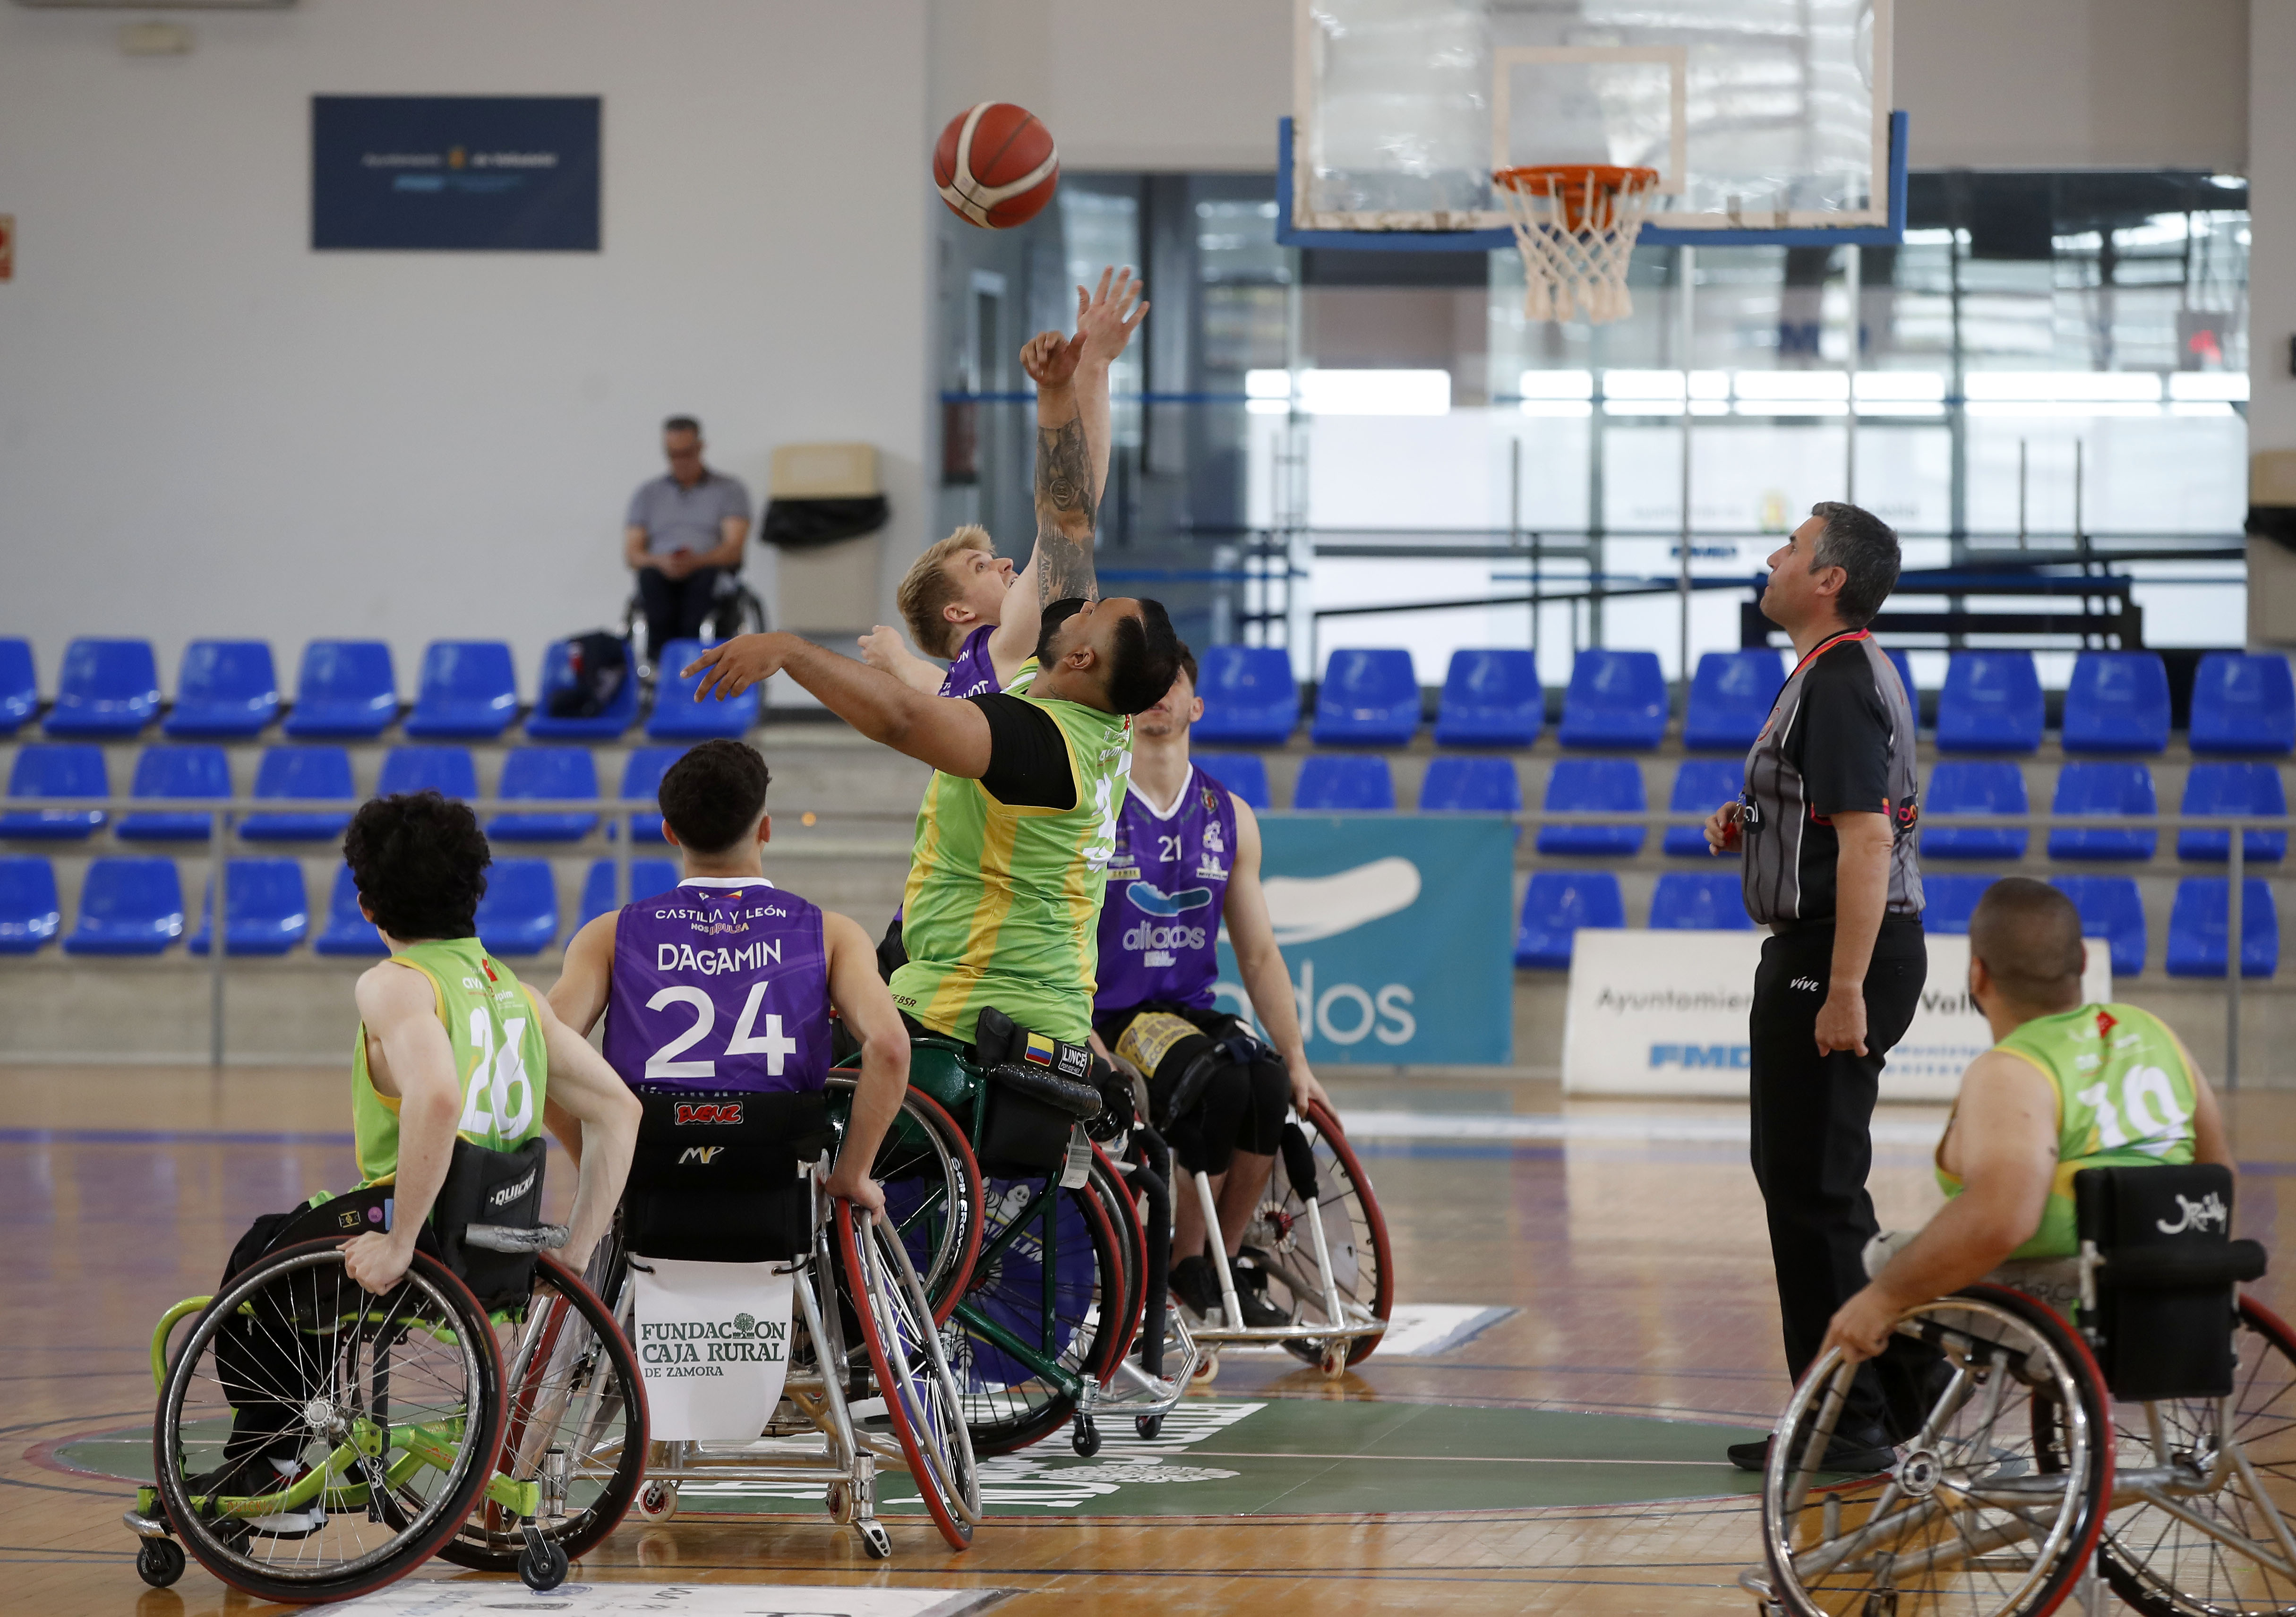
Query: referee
<point x="1826" y="826"/>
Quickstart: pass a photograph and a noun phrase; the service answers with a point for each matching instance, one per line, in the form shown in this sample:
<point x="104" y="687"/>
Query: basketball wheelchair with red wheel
<point x="2149" y="1447"/>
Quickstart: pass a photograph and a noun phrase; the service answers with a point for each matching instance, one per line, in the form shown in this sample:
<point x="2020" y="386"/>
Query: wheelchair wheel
<point x="1355" y="1231"/>
<point x="931" y="1184"/>
<point x="377" y="1417"/>
<point x="1994" y="1509"/>
<point x="921" y="1398"/>
<point x="576" y="1426"/>
<point x="2172" y="1567"/>
<point x="1066" y="1319"/>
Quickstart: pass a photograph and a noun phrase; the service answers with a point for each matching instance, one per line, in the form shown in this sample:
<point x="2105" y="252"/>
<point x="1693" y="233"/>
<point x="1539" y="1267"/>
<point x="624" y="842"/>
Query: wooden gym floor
<point x="1633" y="1255"/>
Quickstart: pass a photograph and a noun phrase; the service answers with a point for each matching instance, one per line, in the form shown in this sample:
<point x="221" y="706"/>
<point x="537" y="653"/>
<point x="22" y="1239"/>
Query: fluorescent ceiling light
<point x="1556" y="384"/>
<point x="1925" y="386"/>
<point x="1268" y="384"/>
<point x="2229" y="387"/>
<point x="1375" y="393"/>
<point x="1794" y="385"/>
<point x="1710" y="384"/>
<point x="1641" y="385"/>
<point x="2101" y="387"/>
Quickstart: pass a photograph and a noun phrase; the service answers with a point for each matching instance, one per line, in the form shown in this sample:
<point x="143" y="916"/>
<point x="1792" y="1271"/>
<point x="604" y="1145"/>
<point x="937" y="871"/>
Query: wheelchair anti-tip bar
<point x="514" y="1238"/>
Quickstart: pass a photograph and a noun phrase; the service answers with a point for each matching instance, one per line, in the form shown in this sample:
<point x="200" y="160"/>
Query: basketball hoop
<point x="1576" y="223"/>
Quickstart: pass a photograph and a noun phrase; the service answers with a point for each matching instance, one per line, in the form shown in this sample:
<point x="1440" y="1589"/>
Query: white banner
<point x="1664" y="1013"/>
<point x="713" y="1346"/>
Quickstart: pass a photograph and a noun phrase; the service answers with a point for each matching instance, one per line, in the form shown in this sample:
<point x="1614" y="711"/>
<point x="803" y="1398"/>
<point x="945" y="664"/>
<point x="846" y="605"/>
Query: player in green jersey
<point x="1011" y="857"/>
<point x="2066" y="1085"/>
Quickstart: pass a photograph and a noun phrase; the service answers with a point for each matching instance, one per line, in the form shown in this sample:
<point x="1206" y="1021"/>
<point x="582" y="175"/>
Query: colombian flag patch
<point x="1039" y="1050"/>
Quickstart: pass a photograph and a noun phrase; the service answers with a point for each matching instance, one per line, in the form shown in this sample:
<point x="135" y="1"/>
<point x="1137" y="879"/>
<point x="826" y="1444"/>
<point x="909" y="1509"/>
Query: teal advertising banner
<point x="1398" y="933"/>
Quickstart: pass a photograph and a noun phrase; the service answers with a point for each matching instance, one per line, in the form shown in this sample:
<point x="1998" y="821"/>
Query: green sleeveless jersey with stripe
<point x="499" y="1056"/>
<point x="1003" y="903"/>
<point x="2125" y="1099"/>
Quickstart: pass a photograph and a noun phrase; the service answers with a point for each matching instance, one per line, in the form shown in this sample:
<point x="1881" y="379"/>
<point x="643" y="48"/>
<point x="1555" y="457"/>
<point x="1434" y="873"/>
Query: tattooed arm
<point x="1064" y="491"/>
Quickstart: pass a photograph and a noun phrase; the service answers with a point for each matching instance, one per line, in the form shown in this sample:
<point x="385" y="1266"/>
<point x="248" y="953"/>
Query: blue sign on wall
<point x="1398" y="933"/>
<point x="455" y="172"/>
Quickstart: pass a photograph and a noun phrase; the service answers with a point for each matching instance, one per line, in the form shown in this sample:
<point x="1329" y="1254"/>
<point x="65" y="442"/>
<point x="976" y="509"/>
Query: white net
<point x="1577" y="225"/>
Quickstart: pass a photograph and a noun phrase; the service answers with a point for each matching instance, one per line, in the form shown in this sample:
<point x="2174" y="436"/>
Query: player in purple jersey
<point x="960" y="600"/>
<point x="725" y="981"/>
<point x="1187" y="860"/>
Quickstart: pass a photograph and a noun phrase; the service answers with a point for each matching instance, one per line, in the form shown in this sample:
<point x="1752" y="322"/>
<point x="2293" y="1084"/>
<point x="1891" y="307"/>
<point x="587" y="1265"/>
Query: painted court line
<point x="1624" y="1127"/>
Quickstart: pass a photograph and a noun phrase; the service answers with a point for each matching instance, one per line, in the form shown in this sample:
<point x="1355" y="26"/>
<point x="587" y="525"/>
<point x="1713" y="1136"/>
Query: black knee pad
<point x="1260" y="1130"/>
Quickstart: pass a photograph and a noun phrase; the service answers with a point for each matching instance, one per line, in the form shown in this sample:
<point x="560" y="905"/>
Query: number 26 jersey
<point x="720" y="983"/>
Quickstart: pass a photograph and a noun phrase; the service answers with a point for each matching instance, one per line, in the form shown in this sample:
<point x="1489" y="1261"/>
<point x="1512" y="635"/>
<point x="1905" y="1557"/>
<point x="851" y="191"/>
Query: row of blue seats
<point x="1342" y="782"/>
<point x="1991" y="701"/>
<point x="1558" y="903"/>
<point x="347" y="690"/>
<point x="77" y="770"/>
<point x="136" y="907"/>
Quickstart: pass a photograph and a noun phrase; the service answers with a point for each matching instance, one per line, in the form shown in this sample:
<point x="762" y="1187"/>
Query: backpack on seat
<point x="2163" y="1321"/>
<point x="600" y="662"/>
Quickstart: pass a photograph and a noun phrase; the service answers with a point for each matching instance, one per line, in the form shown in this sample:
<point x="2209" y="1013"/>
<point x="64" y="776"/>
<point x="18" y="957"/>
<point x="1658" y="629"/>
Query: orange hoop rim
<point x="1575" y="178"/>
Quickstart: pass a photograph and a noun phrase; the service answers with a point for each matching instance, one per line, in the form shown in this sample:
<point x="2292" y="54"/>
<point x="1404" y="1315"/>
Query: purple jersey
<point x="720" y="983"/>
<point x="1166" y="886"/>
<point x="972" y="672"/>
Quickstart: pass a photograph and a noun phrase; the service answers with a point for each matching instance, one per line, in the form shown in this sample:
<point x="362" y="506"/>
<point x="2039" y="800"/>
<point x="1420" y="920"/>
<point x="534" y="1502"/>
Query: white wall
<point x="2272" y="239"/>
<point x="208" y="429"/>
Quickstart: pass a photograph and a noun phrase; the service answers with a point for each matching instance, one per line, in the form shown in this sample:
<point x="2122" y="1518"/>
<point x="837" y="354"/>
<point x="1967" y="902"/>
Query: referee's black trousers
<point x="1812" y="1145"/>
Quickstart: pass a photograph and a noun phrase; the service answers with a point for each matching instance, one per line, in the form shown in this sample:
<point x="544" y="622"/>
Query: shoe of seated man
<point x="269" y="1470"/>
<point x="1250" y="1271"/>
<point x="1195" y="1287"/>
<point x="1856" y="1452"/>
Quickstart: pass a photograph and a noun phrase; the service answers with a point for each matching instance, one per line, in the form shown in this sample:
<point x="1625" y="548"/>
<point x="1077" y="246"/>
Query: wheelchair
<point x="735" y="609"/>
<point x="737" y="1179"/>
<point x="2151" y="1449"/>
<point x="486" y="1409"/>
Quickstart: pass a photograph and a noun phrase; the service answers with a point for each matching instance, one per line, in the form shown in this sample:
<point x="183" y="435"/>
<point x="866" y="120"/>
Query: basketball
<point x="995" y="165"/>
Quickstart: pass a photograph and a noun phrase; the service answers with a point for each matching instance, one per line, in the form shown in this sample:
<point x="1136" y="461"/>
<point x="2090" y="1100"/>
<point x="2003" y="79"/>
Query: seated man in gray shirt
<point x="686" y="530"/>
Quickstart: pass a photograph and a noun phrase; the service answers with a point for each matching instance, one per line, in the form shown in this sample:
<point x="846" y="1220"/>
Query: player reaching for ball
<point x="962" y="600"/>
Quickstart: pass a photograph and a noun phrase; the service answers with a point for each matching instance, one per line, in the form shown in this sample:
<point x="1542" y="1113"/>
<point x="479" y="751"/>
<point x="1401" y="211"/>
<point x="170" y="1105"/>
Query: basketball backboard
<point x="1768" y="121"/>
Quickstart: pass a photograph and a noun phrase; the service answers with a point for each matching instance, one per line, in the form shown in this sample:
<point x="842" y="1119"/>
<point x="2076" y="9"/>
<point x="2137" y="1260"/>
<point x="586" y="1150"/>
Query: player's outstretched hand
<point x="1107" y="317"/>
<point x="1051" y="359"/>
<point x="881" y="648"/>
<point x="736" y="664"/>
<point x="857" y="1188"/>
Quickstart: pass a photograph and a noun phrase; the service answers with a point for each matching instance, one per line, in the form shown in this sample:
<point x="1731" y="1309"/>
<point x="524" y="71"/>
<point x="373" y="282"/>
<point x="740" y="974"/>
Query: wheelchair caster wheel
<point x="1085" y="1439"/>
<point x="1148" y="1427"/>
<point x="159" y="1563"/>
<point x="542" y="1564"/>
<point x="875" y="1540"/>
<point x="1207" y="1371"/>
<point x="839" y="1500"/>
<point x="657" y="1502"/>
<point x="1334" y="1362"/>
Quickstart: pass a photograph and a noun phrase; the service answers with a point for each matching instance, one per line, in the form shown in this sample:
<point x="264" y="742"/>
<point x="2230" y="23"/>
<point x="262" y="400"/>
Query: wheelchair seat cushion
<point x="720" y="1177"/>
<point x="2164" y="1314"/>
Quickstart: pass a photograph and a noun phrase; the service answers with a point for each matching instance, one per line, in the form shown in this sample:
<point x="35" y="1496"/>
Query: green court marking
<point x="1280" y="1457"/>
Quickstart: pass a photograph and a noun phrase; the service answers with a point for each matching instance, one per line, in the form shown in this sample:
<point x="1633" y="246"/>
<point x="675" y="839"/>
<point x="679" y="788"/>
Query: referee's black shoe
<point x="1858" y="1453"/>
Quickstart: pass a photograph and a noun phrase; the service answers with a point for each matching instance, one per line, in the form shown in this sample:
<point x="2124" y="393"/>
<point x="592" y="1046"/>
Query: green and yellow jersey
<point x="498" y="1056"/>
<point x="2125" y="1098"/>
<point x="1002" y="902"/>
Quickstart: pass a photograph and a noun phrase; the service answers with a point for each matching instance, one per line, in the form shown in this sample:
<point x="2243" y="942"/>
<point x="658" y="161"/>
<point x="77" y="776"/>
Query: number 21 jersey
<point x="720" y="983"/>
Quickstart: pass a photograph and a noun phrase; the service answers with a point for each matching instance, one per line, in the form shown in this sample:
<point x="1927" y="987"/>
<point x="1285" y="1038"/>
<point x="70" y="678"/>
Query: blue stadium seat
<point x="1616" y="698"/>
<point x="2244" y="702"/>
<point x="558" y="675"/>
<point x="347" y="932"/>
<point x="2198" y="923"/>
<point x="445" y="770"/>
<point x="1555" y="905"/>
<point x="2117" y="702"/>
<point x="346" y="690"/>
<point x="300" y="772"/>
<point x="1245" y="774"/>
<point x="266" y="908"/>
<point x="29" y="913"/>
<point x="546" y="772"/>
<point x="2103" y="788"/>
<point x="1730" y="697"/>
<point x="19" y="686"/>
<point x="677" y="717"/>
<point x="108" y="688"/>
<point x="1701" y="786"/>
<point x="2112" y="909"/>
<point x="1490" y="698"/>
<point x="1947" y="901"/>
<point x="647" y="878"/>
<point x="55" y="771"/>
<point x="470" y="690"/>
<point x="1583" y="785"/>
<point x="176" y="772"/>
<point x="127" y="907"/>
<point x="1251" y="699"/>
<point x="1339" y="783"/>
<point x="2230" y="788"/>
<point x="1957" y="786"/>
<point x="1368" y="698"/>
<point x="519" y="915"/>
<point x="224" y="688"/>
<point x="641" y="775"/>
<point x="1700" y="901"/>
<point x="1471" y="785"/>
<point x="1991" y="703"/>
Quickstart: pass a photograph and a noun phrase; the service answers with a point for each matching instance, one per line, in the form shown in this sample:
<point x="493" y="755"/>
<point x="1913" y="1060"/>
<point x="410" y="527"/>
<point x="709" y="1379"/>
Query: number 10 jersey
<point x="720" y="983"/>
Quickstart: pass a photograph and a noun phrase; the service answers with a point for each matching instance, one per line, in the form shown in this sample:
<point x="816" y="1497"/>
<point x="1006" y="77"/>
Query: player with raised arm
<point x="727" y="981"/>
<point x="963" y="602"/>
